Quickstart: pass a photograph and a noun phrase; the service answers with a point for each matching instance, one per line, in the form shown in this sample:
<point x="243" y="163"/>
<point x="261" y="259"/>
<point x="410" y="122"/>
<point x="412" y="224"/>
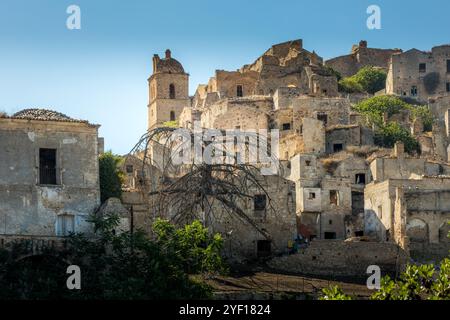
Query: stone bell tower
<point x="168" y="90"/>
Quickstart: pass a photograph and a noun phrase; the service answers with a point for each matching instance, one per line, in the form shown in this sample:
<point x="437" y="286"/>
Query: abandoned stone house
<point x="420" y="74"/>
<point x="407" y="201"/>
<point x="361" y="56"/>
<point x="49" y="173"/>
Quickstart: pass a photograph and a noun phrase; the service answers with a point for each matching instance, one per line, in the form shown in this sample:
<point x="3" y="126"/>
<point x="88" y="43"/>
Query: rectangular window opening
<point x="338" y="147"/>
<point x="330" y="235"/>
<point x="322" y="117"/>
<point x="360" y="178"/>
<point x="47" y="166"/>
<point x="263" y="248"/>
<point x="422" y="67"/>
<point x="334" y="197"/>
<point x="239" y="91"/>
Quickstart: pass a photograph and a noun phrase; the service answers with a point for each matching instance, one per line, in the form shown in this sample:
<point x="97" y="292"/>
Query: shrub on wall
<point x="368" y="79"/>
<point x="111" y="177"/>
<point x="387" y="135"/>
<point x="374" y="108"/>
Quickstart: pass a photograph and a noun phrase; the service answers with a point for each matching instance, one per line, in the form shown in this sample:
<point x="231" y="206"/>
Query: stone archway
<point x="417" y="231"/>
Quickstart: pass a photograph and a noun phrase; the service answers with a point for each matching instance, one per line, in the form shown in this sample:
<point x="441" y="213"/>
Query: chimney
<point x="168" y="54"/>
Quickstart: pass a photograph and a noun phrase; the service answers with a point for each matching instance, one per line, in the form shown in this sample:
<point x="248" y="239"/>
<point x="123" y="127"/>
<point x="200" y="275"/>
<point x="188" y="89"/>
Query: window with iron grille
<point x="47" y="166"/>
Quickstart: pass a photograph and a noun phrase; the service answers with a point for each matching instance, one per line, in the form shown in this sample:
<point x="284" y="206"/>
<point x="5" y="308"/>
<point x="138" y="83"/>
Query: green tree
<point x="117" y="266"/>
<point x="374" y="108"/>
<point x="368" y="79"/>
<point x="371" y="79"/>
<point x="350" y="85"/>
<point x="194" y="247"/>
<point x="111" y="177"/>
<point x="387" y="135"/>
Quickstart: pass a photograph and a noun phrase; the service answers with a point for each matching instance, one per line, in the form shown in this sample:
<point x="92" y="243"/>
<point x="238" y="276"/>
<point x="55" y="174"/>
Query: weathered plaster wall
<point x="27" y="208"/>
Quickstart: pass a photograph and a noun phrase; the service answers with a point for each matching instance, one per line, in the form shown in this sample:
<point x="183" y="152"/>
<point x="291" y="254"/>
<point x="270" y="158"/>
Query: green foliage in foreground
<point x="118" y="266"/>
<point x="416" y="283"/>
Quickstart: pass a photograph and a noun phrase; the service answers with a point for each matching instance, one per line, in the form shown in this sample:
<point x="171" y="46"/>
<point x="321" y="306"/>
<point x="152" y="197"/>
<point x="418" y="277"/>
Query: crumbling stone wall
<point x="342" y="258"/>
<point x="360" y="57"/>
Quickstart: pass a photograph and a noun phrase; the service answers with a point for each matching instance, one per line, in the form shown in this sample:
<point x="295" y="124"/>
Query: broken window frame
<point x="334" y="197"/>
<point x="358" y="179"/>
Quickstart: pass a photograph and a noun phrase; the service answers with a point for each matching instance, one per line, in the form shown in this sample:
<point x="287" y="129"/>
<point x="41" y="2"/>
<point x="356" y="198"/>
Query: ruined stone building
<point x="49" y="173"/>
<point x="327" y="151"/>
<point x="420" y="74"/>
<point x="334" y="183"/>
<point x="361" y="56"/>
<point x="408" y="202"/>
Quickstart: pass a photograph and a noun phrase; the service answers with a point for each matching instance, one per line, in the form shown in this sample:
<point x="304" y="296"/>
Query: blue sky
<point x="100" y="72"/>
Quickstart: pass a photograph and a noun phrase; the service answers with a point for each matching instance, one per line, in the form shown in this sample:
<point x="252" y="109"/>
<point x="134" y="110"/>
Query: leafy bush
<point x="117" y="266"/>
<point x="374" y="108"/>
<point x="111" y="177"/>
<point x="423" y="113"/>
<point x="334" y="293"/>
<point x="193" y="246"/>
<point x="387" y="135"/>
<point x="349" y="85"/>
<point x="368" y="79"/>
<point x="417" y="283"/>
